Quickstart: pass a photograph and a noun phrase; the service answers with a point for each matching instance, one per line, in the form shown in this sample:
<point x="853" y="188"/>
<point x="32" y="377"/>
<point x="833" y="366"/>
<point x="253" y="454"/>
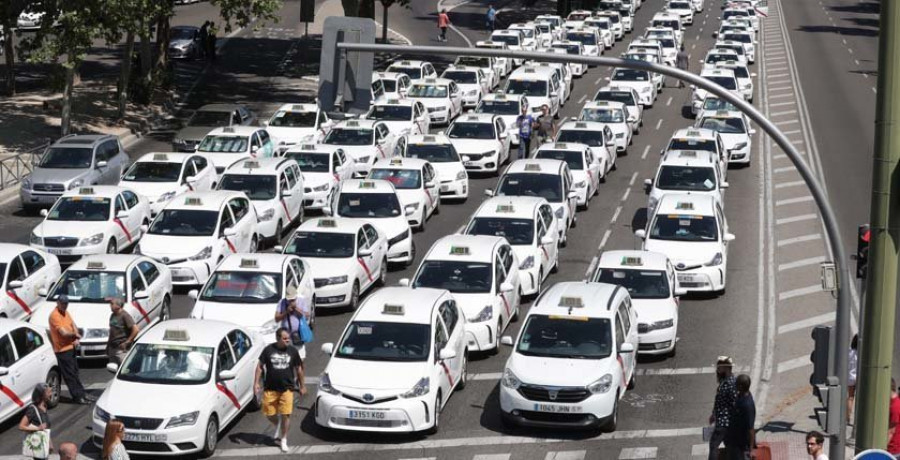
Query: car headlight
<point x="101" y="414"/>
<point x="178" y="141"/>
<point x="321" y="188"/>
<point x="203" y="254"/>
<point x="510" y="380"/>
<point x="474" y="92"/>
<point x="651" y="204"/>
<point x="740" y="146"/>
<point x="36" y="240"/>
<point x="748" y="86"/>
<point x="26" y="182"/>
<point x="364" y="159"/>
<point x="320" y="282"/>
<point x="91" y="240"/>
<point x="187" y="419"/>
<point x="419" y="389"/>
<point x="269" y="328"/>
<point x="620" y="135"/>
<point x="716" y="260"/>
<point x="581" y="184"/>
<point x="485" y="314"/>
<point x="412" y="207"/>
<point x="645" y="89"/>
<point x="664" y="324"/>
<point x="489" y="153"/>
<point x="325" y="385"/>
<point x="75" y="184"/>
<point x="166" y="197"/>
<point x="96" y="333"/>
<point x="461" y="175"/>
<point x="527" y="263"/>
<point x="602" y="385"/>
<point x="560" y="212"/>
<point x="267" y="215"/>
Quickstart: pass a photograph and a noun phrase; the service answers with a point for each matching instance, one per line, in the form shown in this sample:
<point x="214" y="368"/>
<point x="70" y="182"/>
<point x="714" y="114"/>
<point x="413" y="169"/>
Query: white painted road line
<point x="784" y="169"/>
<point x="795" y="183"/>
<point x="566" y="455"/>
<point x="802" y="199"/>
<point x="800" y="292"/>
<point x="658" y="124"/>
<point x="786" y="112"/>
<point x="615" y="215"/>
<point x="634" y="176"/>
<point x="806" y="323"/>
<point x="581" y="101"/>
<point x="799" y="239"/>
<point x="634" y="453"/>
<point x="646" y="151"/>
<point x="801" y="263"/>
<point x="604" y="239"/>
<point x="800" y="218"/>
<point x="599" y="79"/>
<point x="792" y="364"/>
<point x="491" y="457"/>
<point x="669" y="102"/>
<point x="625" y="195"/>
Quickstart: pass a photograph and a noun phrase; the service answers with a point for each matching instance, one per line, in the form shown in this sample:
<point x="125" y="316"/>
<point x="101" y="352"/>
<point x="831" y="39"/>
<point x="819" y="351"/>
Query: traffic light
<point x="307" y="11"/>
<point x="862" y="250"/>
<point x="829" y="416"/>
<point x="821" y="359"/>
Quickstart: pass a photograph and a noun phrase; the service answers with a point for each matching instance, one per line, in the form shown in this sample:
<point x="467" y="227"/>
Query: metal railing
<point x="15" y="166"/>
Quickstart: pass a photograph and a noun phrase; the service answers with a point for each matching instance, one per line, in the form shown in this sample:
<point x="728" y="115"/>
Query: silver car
<point x="208" y="118"/>
<point x="73" y="161"/>
<point x="184" y="43"/>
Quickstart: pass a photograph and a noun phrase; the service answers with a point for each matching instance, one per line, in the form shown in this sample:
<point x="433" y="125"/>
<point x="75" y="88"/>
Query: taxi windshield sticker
<point x="364" y="330"/>
<point x="619" y="275"/>
<point x="684" y="223"/>
<point x="656" y="274"/>
<point x="708" y="183"/>
<point x="354" y="202"/>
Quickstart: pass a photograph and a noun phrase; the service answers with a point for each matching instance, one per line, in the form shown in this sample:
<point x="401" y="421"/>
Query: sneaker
<point x="284" y="446"/>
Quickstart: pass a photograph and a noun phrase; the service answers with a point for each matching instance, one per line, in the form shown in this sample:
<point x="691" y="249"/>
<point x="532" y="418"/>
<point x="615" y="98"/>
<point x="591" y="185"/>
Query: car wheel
<point x="211" y="437"/>
<point x="53" y="381"/>
<point x="497" y="332"/>
<point x="412" y="254"/>
<point x="354" y="297"/>
<point x="463" y="376"/>
<point x="435" y="427"/>
<point x="614" y="417"/>
<point x="112" y="247"/>
<point x="166" y="311"/>
<point x="279" y="230"/>
<point x="631" y="382"/>
<point x="312" y="312"/>
<point x="254" y="245"/>
<point x="382" y="275"/>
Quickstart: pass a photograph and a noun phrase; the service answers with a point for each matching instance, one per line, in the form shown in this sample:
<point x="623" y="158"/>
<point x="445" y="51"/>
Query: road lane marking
<point x="784" y="169"/>
<point x="786" y="122"/>
<point x="801" y="218"/>
<point x="782" y="103"/>
<point x="491" y="457"/>
<point x="793" y="131"/>
<point x="857" y="62"/>
<point x="566" y="455"/>
<point x="646" y="151"/>
<point x="781" y="88"/>
<point x="669" y="102"/>
<point x="604" y="239"/>
<point x="599" y="79"/>
<point x="808" y="322"/>
<point x="784" y="112"/>
<point x="792" y="364"/>
<point x="775" y="75"/>
<point x="795" y="183"/>
<point x="625" y="195"/>
<point x="581" y="101"/>
<point x="801" y="263"/>
<point x="799" y="292"/>
<point x="658" y="124"/>
<point x="636" y="453"/>
<point x="800" y="199"/>
<point x="799" y="239"/>
<point x="634" y="176"/>
<point x="615" y="215"/>
<point x="781" y="95"/>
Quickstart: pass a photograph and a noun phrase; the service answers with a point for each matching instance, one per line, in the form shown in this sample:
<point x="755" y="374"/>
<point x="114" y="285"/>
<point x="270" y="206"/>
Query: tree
<point x="9" y="13"/>
<point x="386" y="4"/>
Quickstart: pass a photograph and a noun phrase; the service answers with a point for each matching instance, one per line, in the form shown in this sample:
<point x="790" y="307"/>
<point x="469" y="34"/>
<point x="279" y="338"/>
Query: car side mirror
<point x="44" y="212"/>
<point x="430" y="184"/>
<point x="640" y="233"/>
<point x="122" y="215"/>
<point x="546" y="240"/>
<point x="194" y="294"/>
<point x="227" y="375"/>
<point x="145" y="228"/>
<point x="728" y="237"/>
<point x="230" y="231"/>
<point x="190" y="180"/>
<point x="264" y="124"/>
<point x="101" y="164"/>
<point x="607" y="79"/>
<point x="278" y="248"/>
<point x="42" y="292"/>
<point x="753" y="74"/>
<point x="327" y="211"/>
<point x="15" y="284"/>
<point x="327" y="348"/>
<point x="112" y="367"/>
<point x="572" y="195"/>
<point x="752" y="131"/>
<point x="506" y="286"/>
<point x="447" y="353"/>
<point x="287" y="193"/>
<point x="626" y="348"/>
<point x="422" y="119"/>
<point x="364" y="252"/>
<point x="488" y="192"/>
<point x="254" y="149"/>
<point x="680" y="291"/>
<point x="141" y="295"/>
<point x="404" y="282"/>
<point x="723" y="185"/>
<point x="506" y="340"/>
<point x="648" y="185"/>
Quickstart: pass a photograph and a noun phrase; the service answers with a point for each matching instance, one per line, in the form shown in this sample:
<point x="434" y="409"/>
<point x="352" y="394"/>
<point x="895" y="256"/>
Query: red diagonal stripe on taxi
<point x="11" y="395"/>
<point x="221" y="387"/>
<point x="122" y="226"/>
<point x="12" y="295"/>
<point x="141" y="310"/>
<point x="365" y="267"/>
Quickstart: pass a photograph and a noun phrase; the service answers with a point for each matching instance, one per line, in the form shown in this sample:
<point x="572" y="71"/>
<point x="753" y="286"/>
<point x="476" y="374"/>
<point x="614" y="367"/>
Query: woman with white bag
<point x="36" y="423"/>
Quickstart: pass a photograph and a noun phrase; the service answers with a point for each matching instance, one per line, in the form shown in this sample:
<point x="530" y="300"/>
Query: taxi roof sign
<point x="472" y="118"/>
<point x="249" y="263"/>
<point x="693" y="133"/>
<point x="367" y="185"/>
<point x="327" y="223"/>
<point x="632" y="261"/>
<point x="687" y="154"/>
<point x="228" y="129"/>
<point x="96" y="265"/>
<point x="353" y="123"/>
<point x="176" y="335"/>
<point x="581" y="125"/>
<point x="571" y="302"/>
<point x="684" y="205"/>
<point x="397" y="161"/>
<point x="459" y="250"/>
<point x="562" y="145"/>
<point x="392" y="309"/>
<point x="308" y="147"/>
<point x="86" y="191"/>
<point x="505" y="208"/>
<point x="722" y="113"/>
<point x="193" y="201"/>
<point x="393" y="101"/>
<point x="297" y="108"/>
<point x="532" y="167"/>
<point x="251" y="164"/>
<point x="429" y="139"/>
<point x="160" y="157"/>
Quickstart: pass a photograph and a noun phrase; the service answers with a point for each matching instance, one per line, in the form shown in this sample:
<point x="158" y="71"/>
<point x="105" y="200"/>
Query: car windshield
<point x="708" y="145"/>
<point x="461" y="77"/>
<point x="89" y="286"/>
<point x="428" y="91"/>
<point x="547" y="186"/>
<point x="577" y="16"/>
<point x="403" y="179"/>
<point x="466" y="130"/>
<point x="528" y="33"/>
<point x="667" y="42"/>
<point x="679" y="6"/>
<point x="517" y="232"/>
<point x="380" y="341"/>
<point x="412" y="72"/>
<point x="433" y="153"/>
<point x="511" y="40"/>
<point x="569" y="49"/>
<point x="668" y="23"/>
<point x="615" y="96"/>
<point x="224" y="144"/>
<point x="630" y="75"/>
<point x="81" y="208"/>
<point x="641" y="284"/>
<point x="293" y="119"/>
<point x="740" y="72"/>
<point x="165" y="364"/>
<point x="257" y="187"/>
<point x="713" y="58"/>
<point x="483" y="62"/>
<point x="329" y="245"/>
<point x="581" y="136"/>
<point x="737" y="48"/>
<point x="602" y="115"/>
<point x="689" y="178"/>
<point x="724" y="125"/>
<point x="391" y="113"/>
<point x="184" y="222"/>
<point x="498" y="107"/>
<point x="456" y="277"/>
<point x="602" y="25"/>
<point x="527" y="87"/>
<point x="585" y="38"/>
<point x="714" y="103"/>
<point x="153" y="171"/>
<point x="574" y="159"/>
<point x="243" y="287"/>
<point x="344" y="136"/>
<point x="67" y="158"/>
<point x="724" y="82"/>
<point x="647" y="57"/>
<point x="390" y="86"/>
<point x="177" y="33"/>
<point x="311" y="162"/>
<point x="543" y="28"/>
<point x="568" y="337"/>
<point x="214" y="119"/>
<point x="614" y="18"/>
<point x="684" y="228"/>
<point x="368" y="205"/>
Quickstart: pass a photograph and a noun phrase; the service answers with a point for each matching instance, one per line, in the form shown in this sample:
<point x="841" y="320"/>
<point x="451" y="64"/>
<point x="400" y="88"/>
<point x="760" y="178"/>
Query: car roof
<point x="269" y="165"/>
<point x="256" y="262"/>
<point x="564" y="146"/>
<point x="367" y="186"/>
<point x="303" y="108"/>
<point x="717" y="72"/>
<point x="689" y="158"/>
<point x="106" y="262"/>
<point x="387" y="75"/>
<point x="723" y="114"/>
<point x="499" y="95"/>
<point x="198" y="332"/>
<point x="476" y="118"/>
<point x="239" y="130"/>
<point x="356" y="124"/>
<point x="204" y="200"/>
<point x="395" y="101"/>
<point x="99" y="191"/>
<point x="462" y="68"/>
<point x="532" y="73"/>
<point x="82" y="140"/>
<point x="595" y="298"/>
<point x="407" y="63"/>
<point x="465" y="248"/>
<point x="604" y="105"/>
<point x="686" y="204"/>
<point x="432" y="81"/>
<point x="331" y="225"/>
<point x="625" y="89"/>
<point x="506" y="32"/>
<point x="7" y="325"/>
<point x="399" y="162"/>
<point x="632" y="259"/>
<point x="691" y="132"/>
<point x="490" y="44"/>
<point x="313" y="148"/>
<point x="582" y="126"/>
<point x="536" y="166"/>
<point x="515" y="207"/>
<point x="418" y="305"/>
<point x="166" y="157"/>
<point x="437" y="139"/>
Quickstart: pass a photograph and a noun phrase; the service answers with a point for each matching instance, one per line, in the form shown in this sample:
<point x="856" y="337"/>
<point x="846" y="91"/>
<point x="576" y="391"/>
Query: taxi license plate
<point x="145" y="437"/>
<point x="367" y="415"/>
<point x="557" y="408"/>
<point x="468" y="163"/>
<point x="684" y="277"/>
<point x="445" y="188"/>
<point x="59" y="252"/>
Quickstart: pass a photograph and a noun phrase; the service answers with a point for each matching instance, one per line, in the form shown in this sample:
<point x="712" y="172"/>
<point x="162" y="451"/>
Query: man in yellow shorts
<point x="283" y="368"/>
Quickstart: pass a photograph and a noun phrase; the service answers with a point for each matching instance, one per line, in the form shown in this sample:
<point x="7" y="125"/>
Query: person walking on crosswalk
<point x="723" y="405"/>
<point x="443" y="24"/>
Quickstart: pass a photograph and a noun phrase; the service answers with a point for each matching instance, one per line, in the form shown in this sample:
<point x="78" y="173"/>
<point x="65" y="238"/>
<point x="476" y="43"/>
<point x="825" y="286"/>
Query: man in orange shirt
<point x="443" y="23"/>
<point x="65" y="338"/>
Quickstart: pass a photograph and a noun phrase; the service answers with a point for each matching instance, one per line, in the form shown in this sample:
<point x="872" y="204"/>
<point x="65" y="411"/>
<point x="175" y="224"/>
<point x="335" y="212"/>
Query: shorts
<point x="277" y="402"/>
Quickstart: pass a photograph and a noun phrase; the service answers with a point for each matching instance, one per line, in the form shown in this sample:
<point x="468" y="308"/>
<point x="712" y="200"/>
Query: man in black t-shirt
<point x="283" y="369"/>
<point x="740" y="440"/>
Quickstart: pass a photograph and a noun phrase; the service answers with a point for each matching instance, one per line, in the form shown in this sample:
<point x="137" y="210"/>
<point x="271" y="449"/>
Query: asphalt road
<point x="662" y="417"/>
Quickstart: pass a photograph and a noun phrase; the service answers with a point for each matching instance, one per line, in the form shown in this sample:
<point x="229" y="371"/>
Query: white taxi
<point x="746" y="38"/>
<point x="650" y="280"/>
<point x="692" y="232"/>
<point x="604" y="27"/>
<point x="438" y="150"/>
<point x="737" y="48"/>
<point x="531" y="41"/>
<point x="482" y="140"/>
<point x="294" y="124"/>
<point x="576" y="18"/>
<point x="395" y="84"/>
<point x="442" y="97"/>
<point x="530" y="227"/>
<point x="514" y="40"/>
<point x="696" y="172"/>
<point x="25" y="271"/>
<point x="540" y="85"/>
<point x="586" y="172"/>
<point x="722" y="77"/>
<point x="504" y="65"/>
<point x="416" y="184"/>
<point x="700" y="139"/>
<point x="472" y="83"/>
<point x="491" y="67"/>
<point x="364" y="141"/>
<point x="322" y="167"/>
<point x="640" y="80"/>
<point x="482" y="273"/>
<point x="717" y="55"/>
<point x="612" y="115"/>
<point x="377" y="202"/>
<point x="26" y="360"/>
<point x="506" y="106"/>
<point x="630" y="98"/>
<point x="597" y="137"/>
<point x="683" y="8"/>
<point x="91" y="220"/>
<point x="144" y="286"/>
<point x="224" y="146"/>
<point x="246" y="289"/>
<point x="402" y="116"/>
<point x="573" y="360"/>
<point x="735" y="131"/>
<point x="274" y="186"/>
<point x="212" y="364"/>
<point x="549" y="179"/>
<point x="396" y="364"/>
<point x="193" y="234"/>
<point x="589" y="37"/>
<point x="671" y="21"/>
<point x="347" y="258"/>
<point x="160" y="177"/>
<point x="572" y="48"/>
<point x="413" y="69"/>
<point x="615" y="21"/>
